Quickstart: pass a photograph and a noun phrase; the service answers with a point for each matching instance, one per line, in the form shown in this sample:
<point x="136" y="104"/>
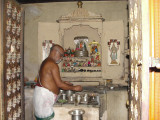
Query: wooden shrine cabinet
<point x="91" y="30"/>
<point x="81" y="31"/>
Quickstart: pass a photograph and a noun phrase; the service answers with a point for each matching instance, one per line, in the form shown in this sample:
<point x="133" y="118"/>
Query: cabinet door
<point x="13" y="61"/>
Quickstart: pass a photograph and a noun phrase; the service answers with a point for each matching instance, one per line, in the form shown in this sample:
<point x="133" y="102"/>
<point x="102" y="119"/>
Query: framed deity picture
<point x="114" y="52"/>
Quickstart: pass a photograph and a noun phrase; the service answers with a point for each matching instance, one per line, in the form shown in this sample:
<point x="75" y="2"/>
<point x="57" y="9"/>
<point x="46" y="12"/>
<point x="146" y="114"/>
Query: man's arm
<point x="68" y="83"/>
<point x="60" y="83"/>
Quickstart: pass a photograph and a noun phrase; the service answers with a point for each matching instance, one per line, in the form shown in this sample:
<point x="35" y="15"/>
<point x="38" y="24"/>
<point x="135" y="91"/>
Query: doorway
<point x="32" y="44"/>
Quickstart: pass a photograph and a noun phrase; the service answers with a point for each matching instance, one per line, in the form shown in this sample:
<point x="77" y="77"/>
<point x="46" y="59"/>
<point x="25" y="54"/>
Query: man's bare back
<point x="49" y="72"/>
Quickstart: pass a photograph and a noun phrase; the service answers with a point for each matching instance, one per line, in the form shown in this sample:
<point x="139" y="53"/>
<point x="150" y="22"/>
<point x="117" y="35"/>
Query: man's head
<point x="56" y="53"/>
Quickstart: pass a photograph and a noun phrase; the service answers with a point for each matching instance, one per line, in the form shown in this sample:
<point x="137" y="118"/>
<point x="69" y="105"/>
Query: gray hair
<point x="56" y="47"/>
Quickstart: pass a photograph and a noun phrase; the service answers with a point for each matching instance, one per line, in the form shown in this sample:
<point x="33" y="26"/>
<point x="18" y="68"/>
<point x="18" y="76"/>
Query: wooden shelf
<point x="77" y="57"/>
<point x="81" y="74"/>
<point x="80" y="71"/>
<point x="85" y="67"/>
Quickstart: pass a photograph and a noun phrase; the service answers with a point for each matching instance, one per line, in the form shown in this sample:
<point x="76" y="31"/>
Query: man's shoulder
<point x="50" y="63"/>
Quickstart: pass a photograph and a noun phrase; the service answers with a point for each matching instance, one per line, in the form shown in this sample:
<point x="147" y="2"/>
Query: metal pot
<point x="81" y="53"/>
<point x="64" y="96"/>
<point x="85" y="98"/>
<point x="69" y="93"/>
<point x="78" y="99"/>
<point x="71" y="99"/>
<point x="77" y="114"/>
<point x="61" y="91"/>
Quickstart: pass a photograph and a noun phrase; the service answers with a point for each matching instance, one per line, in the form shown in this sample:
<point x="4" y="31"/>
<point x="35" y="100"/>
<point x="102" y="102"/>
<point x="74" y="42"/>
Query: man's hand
<point x="68" y="83"/>
<point x="78" y="88"/>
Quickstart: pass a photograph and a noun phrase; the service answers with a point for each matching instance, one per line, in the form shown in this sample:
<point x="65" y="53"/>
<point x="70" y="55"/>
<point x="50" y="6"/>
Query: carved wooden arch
<point x="62" y="29"/>
<point x="82" y="28"/>
<point x="81" y="25"/>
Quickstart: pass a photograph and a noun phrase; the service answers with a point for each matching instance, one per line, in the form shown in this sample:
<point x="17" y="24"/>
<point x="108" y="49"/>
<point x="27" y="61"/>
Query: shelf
<point x="76" y="57"/>
<point x="81" y="69"/>
<point x="85" y="67"/>
<point x="81" y="74"/>
<point x="78" y="70"/>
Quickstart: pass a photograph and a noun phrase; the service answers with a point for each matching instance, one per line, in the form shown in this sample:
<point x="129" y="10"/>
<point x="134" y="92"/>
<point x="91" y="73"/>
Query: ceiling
<point x="45" y="1"/>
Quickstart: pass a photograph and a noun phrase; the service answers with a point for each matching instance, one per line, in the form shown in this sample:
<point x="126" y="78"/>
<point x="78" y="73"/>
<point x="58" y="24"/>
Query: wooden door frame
<point x="145" y="78"/>
<point x="145" y="61"/>
<point x="2" y="117"/>
<point x="1" y="60"/>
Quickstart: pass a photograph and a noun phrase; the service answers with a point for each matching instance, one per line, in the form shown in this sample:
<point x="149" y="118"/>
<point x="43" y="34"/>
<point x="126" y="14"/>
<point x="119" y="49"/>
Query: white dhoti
<point x="43" y="101"/>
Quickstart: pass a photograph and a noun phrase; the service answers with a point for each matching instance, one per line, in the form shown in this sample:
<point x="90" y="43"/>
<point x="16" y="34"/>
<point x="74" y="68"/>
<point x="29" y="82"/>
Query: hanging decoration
<point x="46" y="46"/>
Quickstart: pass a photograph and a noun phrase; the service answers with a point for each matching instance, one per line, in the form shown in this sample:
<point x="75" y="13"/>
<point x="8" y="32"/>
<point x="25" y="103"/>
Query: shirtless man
<point x="49" y="85"/>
